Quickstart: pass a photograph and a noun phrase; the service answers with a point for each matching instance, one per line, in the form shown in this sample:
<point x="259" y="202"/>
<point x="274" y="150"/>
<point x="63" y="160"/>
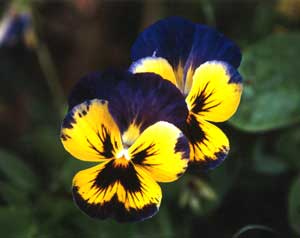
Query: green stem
<point x="51" y="77"/>
<point x="253" y="227"/>
<point x="49" y="70"/>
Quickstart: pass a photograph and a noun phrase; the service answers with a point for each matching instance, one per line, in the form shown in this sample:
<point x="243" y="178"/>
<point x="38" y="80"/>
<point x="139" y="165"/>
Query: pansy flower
<point x="202" y="63"/>
<point x="133" y="137"/>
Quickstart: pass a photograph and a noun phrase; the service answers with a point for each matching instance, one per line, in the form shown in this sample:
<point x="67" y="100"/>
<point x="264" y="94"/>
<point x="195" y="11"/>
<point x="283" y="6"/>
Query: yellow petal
<point x="216" y="91"/>
<point x="89" y="132"/>
<point x="162" y="150"/>
<point x="209" y="145"/>
<point x="118" y="190"/>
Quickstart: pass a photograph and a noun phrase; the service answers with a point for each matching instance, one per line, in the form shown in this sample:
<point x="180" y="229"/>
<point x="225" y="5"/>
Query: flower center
<point x="123" y="154"/>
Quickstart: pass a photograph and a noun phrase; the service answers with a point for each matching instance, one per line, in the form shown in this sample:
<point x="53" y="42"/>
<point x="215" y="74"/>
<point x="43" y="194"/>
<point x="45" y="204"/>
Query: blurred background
<point x="46" y="46"/>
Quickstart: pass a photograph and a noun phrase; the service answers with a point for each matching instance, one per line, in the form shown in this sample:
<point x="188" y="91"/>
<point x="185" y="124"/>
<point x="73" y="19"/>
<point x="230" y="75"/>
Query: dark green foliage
<point x="254" y="193"/>
<point x="271" y="97"/>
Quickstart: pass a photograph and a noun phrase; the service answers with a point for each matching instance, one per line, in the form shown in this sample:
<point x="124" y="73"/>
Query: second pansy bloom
<point x="202" y="63"/>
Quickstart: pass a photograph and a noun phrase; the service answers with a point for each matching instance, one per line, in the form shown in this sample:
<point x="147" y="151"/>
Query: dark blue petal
<point x="141" y="99"/>
<point x="145" y="99"/>
<point x="171" y="39"/>
<point x="95" y="85"/>
<point x="179" y="40"/>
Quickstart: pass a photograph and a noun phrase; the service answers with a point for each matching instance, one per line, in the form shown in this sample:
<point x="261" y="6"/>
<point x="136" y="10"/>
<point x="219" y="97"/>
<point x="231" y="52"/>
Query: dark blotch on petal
<point x="194" y="132"/>
<point x="105" y="138"/>
<point x="65" y="137"/>
<point x="69" y="120"/>
<point x="112" y="173"/>
<point x="182" y="145"/>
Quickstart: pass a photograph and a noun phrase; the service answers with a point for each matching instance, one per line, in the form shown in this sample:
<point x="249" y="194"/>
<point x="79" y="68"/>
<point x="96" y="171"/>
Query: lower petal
<point x="118" y="190"/>
<point x="162" y="150"/>
<point x="209" y="145"/>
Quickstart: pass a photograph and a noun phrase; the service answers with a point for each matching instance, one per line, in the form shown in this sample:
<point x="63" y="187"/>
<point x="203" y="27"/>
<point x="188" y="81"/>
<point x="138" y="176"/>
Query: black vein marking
<point x="140" y="156"/>
<point x="200" y="101"/>
<point x="106" y="140"/>
<point x="181" y="173"/>
<point x="65" y="137"/>
<point x="93" y="147"/>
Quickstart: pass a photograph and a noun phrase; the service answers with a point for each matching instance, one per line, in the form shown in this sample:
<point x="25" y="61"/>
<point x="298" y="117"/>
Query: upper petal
<point x="136" y="101"/>
<point x="145" y="99"/>
<point x="216" y="91"/>
<point x="117" y="190"/>
<point x="95" y="85"/>
<point x="162" y="150"/>
<point x="89" y="132"/>
<point x="185" y="46"/>
<point x="171" y="38"/>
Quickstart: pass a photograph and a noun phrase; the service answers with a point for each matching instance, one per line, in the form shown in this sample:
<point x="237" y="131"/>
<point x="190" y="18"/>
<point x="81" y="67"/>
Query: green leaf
<point x="265" y="162"/>
<point x="45" y="141"/>
<point x="13" y="195"/>
<point x="294" y="205"/>
<point x="271" y="96"/>
<point x="17" y="222"/>
<point x="17" y="172"/>
<point x="287" y="147"/>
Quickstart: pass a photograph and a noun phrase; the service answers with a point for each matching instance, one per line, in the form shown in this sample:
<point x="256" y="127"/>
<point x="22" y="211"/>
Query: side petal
<point x="155" y="65"/>
<point x="117" y="190"/>
<point x="209" y="145"/>
<point x="145" y="99"/>
<point x="162" y="150"/>
<point x="89" y="132"/>
<point x="216" y="91"/>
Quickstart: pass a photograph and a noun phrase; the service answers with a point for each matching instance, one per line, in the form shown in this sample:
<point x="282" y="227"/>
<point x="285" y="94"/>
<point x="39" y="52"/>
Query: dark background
<point x="254" y="193"/>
